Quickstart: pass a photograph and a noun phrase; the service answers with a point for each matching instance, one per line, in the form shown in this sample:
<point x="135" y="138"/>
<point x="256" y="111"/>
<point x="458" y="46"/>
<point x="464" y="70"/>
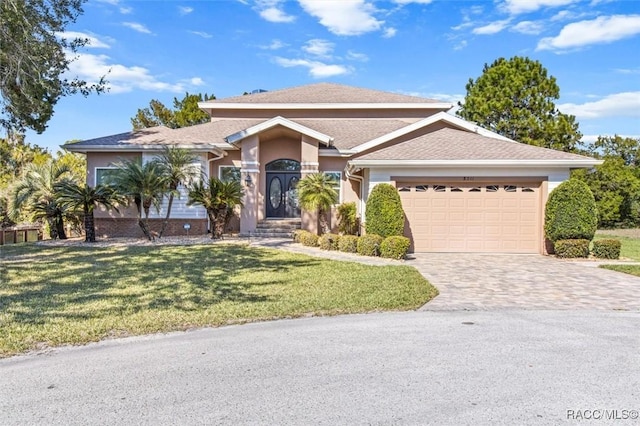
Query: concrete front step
<point x="267" y="234"/>
<point x="274" y="229"/>
<point x="279" y="224"/>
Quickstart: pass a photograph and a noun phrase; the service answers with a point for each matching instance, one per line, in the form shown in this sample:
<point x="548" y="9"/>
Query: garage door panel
<point x="494" y="218"/>
<point x="457" y="203"/>
<point x="457" y="216"/>
<point x="474" y="203"/>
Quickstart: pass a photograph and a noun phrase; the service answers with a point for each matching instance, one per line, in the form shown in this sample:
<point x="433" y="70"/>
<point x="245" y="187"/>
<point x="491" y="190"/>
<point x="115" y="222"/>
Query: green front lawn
<point x="630" y="245"/>
<point x="627" y="269"/>
<point x="52" y="296"/>
<point x="630" y="249"/>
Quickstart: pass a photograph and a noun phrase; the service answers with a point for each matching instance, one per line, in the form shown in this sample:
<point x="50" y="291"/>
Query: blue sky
<point x="162" y="49"/>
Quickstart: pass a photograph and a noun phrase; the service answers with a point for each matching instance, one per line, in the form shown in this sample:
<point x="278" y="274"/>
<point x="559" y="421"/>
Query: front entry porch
<point x="281" y="201"/>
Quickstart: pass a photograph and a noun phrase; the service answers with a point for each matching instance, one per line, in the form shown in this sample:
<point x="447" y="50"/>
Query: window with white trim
<point x="229" y="174"/>
<point x="100" y="174"/>
<point x="337" y="176"/>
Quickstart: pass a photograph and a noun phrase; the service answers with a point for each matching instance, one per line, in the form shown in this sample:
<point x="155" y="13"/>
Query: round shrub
<point x="309" y="239"/>
<point x="395" y="247"/>
<point x="329" y="242"/>
<point x="384" y="215"/>
<point x="369" y="245"/>
<point x="571" y="212"/>
<point x="296" y="235"/>
<point x="572" y="248"/>
<point x="606" y="249"/>
<point x="348" y="244"/>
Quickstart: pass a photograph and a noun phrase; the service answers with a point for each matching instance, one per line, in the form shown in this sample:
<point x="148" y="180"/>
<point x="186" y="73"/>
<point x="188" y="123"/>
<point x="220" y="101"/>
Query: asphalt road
<point x="449" y="368"/>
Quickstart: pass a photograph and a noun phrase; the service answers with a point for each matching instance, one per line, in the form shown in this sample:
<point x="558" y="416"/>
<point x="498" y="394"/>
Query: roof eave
<point x="586" y="163"/>
<point x="274" y="122"/>
<point x="147" y="147"/>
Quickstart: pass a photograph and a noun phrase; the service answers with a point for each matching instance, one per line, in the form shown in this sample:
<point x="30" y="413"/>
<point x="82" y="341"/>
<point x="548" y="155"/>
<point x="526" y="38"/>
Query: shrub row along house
<point x="463" y="188"/>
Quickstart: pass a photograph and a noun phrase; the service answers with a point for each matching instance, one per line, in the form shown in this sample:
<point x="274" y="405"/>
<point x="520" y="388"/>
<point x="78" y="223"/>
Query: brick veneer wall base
<point x="107" y="227"/>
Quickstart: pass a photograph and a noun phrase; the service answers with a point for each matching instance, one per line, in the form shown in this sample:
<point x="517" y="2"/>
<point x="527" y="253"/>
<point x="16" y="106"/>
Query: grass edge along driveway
<point x="52" y="296"/>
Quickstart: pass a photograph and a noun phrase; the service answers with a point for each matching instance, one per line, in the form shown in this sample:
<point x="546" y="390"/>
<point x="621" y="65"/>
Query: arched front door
<point x="282" y="196"/>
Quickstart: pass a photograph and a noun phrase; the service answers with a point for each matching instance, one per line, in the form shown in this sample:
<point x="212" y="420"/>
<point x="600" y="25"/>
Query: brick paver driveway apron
<point x="490" y="281"/>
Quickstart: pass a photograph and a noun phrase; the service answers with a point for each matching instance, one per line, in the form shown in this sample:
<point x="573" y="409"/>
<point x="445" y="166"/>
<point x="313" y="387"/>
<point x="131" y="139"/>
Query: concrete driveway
<point x="490" y="281"/>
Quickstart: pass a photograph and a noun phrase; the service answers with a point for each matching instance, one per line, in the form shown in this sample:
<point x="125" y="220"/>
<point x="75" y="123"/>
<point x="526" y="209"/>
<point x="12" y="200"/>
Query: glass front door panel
<point x="275" y="193"/>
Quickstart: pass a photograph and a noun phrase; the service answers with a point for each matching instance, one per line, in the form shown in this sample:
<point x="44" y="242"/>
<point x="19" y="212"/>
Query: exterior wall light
<point x="247" y="180"/>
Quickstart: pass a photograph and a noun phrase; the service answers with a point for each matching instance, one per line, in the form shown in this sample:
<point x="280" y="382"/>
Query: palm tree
<point x="144" y="184"/>
<point x="179" y="168"/>
<point x="219" y="199"/>
<point x="35" y="194"/>
<point x="85" y="198"/>
<point x="317" y="192"/>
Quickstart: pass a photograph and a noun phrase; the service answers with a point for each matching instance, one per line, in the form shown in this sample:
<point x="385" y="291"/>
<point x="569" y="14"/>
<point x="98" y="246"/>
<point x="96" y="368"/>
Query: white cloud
<point x="626" y="104"/>
<point x="196" y="81"/>
<point x="274" y="45"/>
<point x="466" y="23"/>
<point x="452" y="98"/>
<point x="593" y="138"/>
<point x="412" y="1"/>
<point x="184" y="10"/>
<point x="316" y="69"/>
<point x="516" y="7"/>
<point x="627" y="70"/>
<point x="276" y="15"/>
<point x="344" y="17"/>
<point x="461" y="45"/>
<point x="271" y="10"/>
<point x="604" y="29"/>
<point x="137" y="27"/>
<point x="355" y="56"/>
<point x="528" y="27"/>
<point x="125" y="10"/>
<point x="389" y="32"/>
<point x="202" y="34"/>
<point x="93" y="41"/>
<point x="492" y="28"/>
<point x="319" y="47"/>
<point x="120" y="78"/>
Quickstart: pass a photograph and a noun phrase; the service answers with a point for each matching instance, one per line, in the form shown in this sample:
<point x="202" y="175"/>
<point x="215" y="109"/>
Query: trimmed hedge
<point x="395" y="247"/>
<point x="369" y="245"/>
<point x="571" y="212"/>
<point x="607" y="249"/>
<point x="384" y="215"/>
<point x="329" y="241"/>
<point x="348" y="244"/>
<point x="572" y="248"/>
<point x="308" y="239"/>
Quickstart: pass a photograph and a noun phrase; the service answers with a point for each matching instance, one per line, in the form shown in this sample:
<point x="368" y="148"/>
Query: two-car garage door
<point x="494" y="217"/>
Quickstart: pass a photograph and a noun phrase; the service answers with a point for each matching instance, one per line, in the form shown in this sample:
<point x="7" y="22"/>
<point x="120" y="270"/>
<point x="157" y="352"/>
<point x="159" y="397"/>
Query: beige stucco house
<point x="463" y="188"/>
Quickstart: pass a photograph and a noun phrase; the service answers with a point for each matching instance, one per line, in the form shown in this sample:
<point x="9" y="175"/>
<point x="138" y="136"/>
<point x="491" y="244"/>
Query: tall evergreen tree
<point x="516" y="99"/>
<point x="33" y="59"/>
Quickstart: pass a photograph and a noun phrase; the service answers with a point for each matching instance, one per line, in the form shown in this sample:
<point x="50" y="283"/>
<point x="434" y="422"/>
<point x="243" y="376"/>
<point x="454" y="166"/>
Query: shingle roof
<point x="347" y="133"/>
<point x="323" y="93"/>
<point x="453" y="144"/>
<point x="150" y="136"/>
<point x="444" y="144"/>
